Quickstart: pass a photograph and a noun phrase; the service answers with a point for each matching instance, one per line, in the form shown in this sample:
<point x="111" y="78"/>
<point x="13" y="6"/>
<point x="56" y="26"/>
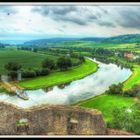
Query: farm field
<point x="105" y="103"/>
<point x="62" y="77"/>
<point x="28" y="59"/>
<point x="25" y="58"/>
<point x="92" y="44"/>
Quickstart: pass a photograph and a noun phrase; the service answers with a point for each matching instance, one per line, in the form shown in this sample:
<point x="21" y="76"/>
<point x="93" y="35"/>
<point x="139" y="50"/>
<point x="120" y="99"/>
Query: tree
<point x="48" y="63"/>
<point x="42" y="72"/>
<point x="28" y="74"/>
<point x="115" y="89"/>
<point x="125" y="120"/>
<point x="81" y="58"/>
<point x="13" y="66"/>
<point x="13" y="75"/>
<point x="133" y="92"/>
<point x="63" y="63"/>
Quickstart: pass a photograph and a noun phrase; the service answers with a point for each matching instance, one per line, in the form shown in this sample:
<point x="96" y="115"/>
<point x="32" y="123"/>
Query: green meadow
<point x="25" y="58"/>
<point x="134" y="79"/>
<point x="106" y="103"/>
<point x="28" y="59"/>
<point x="61" y="77"/>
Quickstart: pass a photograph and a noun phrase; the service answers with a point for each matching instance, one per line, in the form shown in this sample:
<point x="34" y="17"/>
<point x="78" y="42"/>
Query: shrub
<point x="28" y="74"/>
<point x="38" y="72"/>
<point x="128" y="93"/>
<point x="133" y="92"/>
<point x="48" y="63"/>
<point x="13" y="66"/>
<point x="115" y="89"/>
<point x="124" y="120"/>
<point x="44" y="72"/>
<point x="13" y="75"/>
<point x="63" y="63"/>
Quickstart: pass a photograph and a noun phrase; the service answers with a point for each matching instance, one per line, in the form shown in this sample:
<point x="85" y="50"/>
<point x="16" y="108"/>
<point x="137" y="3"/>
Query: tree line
<point x="48" y="65"/>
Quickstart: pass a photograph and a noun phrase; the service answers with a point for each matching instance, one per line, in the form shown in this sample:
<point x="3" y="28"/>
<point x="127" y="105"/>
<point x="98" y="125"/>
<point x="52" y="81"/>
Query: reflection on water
<point x="82" y="89"/>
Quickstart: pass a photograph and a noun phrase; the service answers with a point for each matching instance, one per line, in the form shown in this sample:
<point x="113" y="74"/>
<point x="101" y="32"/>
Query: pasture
<point x="28" y="59"/>
<point x="106" y="103"/>
<point x="61" y="77"/>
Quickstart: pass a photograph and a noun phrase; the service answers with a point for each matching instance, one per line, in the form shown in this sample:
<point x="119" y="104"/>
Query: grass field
<point x="105" y="103"/>
<point x="134" y="79"/>
<point x="57" y="78"/>
<point x="27" y="59"/>
<point x="92" y="44"/>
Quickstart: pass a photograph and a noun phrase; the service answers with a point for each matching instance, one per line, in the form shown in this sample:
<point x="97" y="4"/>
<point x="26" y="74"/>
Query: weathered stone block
<point x="51" y="119"/>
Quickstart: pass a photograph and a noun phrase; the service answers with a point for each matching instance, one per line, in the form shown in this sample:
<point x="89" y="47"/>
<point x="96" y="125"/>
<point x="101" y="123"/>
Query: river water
<point x="90" y="86"/>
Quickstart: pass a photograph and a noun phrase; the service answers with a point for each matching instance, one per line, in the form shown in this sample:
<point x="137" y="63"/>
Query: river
<point x="90" y="86"/>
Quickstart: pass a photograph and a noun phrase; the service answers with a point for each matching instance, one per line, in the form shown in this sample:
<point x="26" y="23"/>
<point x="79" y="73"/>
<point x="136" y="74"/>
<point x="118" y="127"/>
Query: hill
<point x="45" y="42"/>
<point x="95" y="39"/>
<point x="128" y="38"/>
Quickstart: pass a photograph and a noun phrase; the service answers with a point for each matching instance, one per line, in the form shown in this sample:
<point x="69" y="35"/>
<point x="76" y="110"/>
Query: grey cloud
<point x="64" y="10"/>
<point x="107" y="24"/>
<point x="61" y="30"/>
<point x="75" y="20"/>
<point x="130" y="17"/>
<point x="75" y="14"/>
<point x="7" y="9"/>
<point x="58" y="10"/>
<point x="61" y="13"/>
<point x="92" y="17"/>
<point x="103" y="10"/>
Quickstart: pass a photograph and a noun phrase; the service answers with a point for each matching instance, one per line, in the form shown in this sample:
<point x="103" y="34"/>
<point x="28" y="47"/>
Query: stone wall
<point x="51" y="120"/>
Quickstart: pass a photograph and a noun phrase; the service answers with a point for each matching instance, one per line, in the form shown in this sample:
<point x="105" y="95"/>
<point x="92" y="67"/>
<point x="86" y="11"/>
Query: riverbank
<point x="106" y="103"/>
<point x="133" y="79"/>
<point x="57" y="78"/>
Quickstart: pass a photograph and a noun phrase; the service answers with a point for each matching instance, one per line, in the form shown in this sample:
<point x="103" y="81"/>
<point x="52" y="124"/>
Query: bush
<point x="63" y="63"/>
<point x="38" y="72"/>
<point x="13" y="66"/>
<point x="115" y="89"/>
<point x="48" y="63"/>
<point x="28" y="74"/>
<point x="81" y="58"/>
<point x="124" y="120"/>
<point x="34" y="73"/>
<point x="44" y="72"/>
<point x="13" y="75"/>
<point x="137" y="105"/>
<point x="133" y="92"/>
<point x="128" y="93"/>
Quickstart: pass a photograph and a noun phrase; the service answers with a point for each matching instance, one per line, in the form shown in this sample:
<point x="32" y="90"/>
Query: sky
<point x="47" y="21"/>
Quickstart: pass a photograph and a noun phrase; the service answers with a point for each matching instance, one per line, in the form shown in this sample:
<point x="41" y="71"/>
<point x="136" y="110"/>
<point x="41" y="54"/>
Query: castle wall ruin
<point x="51" y="120"/>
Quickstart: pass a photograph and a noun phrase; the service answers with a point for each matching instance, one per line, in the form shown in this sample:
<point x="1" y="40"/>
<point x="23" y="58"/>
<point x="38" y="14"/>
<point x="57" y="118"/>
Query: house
<point x="129" y="55"/>
<point x="136" y="56"/>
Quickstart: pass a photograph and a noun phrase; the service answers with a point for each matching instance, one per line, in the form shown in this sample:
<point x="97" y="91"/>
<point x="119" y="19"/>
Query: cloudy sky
<point x="46" y="21"/>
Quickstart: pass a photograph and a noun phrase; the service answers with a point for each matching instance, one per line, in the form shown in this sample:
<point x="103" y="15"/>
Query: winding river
<point x="90" y="86"/>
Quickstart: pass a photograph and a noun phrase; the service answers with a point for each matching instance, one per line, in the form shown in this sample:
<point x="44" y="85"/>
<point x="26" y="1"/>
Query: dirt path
<point x="10" y="87"/>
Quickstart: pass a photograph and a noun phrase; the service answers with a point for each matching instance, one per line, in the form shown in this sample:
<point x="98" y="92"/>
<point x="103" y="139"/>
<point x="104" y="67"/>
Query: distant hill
<point x="128" y="38"/>
<point x="44" y="42"/>
<point x="2" y="45"/>
<point x="95" y="39"/>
